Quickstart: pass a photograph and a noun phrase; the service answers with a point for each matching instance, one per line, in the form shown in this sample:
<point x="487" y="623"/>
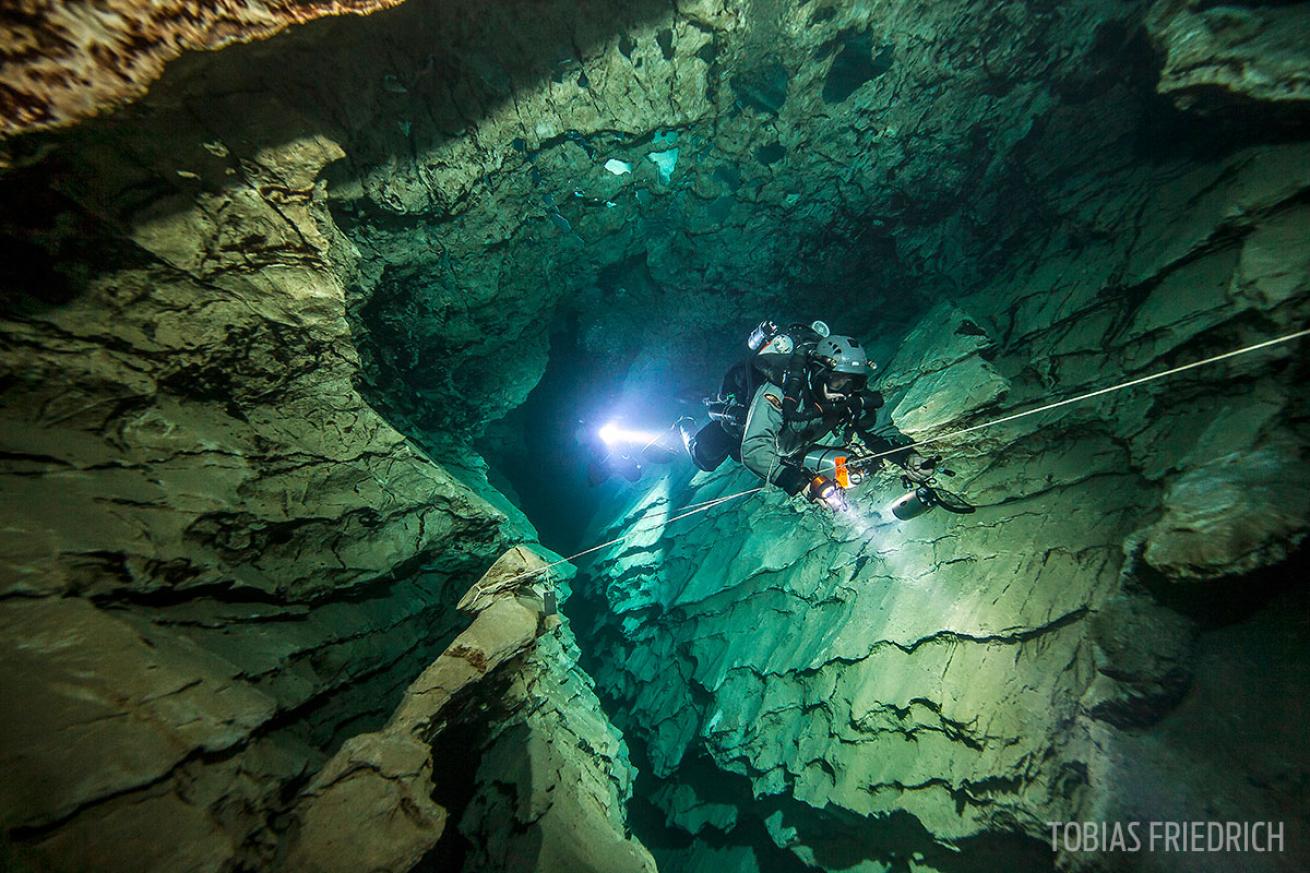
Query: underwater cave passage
<point x="918" y="398"/>
<point x="542" y="452"/>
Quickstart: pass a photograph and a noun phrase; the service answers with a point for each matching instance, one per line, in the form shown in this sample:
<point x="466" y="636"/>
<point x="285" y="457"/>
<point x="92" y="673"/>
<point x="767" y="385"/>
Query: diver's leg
<point x="709" y="447"/>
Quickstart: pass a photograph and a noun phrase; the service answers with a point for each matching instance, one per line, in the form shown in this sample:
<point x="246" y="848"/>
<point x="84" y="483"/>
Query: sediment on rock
<point x="66" y="61"/>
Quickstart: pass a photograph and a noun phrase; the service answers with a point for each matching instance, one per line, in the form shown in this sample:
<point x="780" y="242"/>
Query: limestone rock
<point x="949" y="397"/>
<point x="690" y="813"/>
<point x="839" y="666"/>
<point x="942" y="337"/>
<point x="228" y="561"/>
<point x="517" y="569"/>
<point x="1253" y="51"/>
<point x="543" y="747"/>
<point x="553" y="781"/>
<point x="63" y="62"/>
<point x="1228" y="517"/>
<point x="1143" y="662"/>
<point x="370" y="806"/>
<point x="711" y="859"/>
<point x="106" y="710"/>
<point x="939" y="376"/>
<point x="256" y="323"/>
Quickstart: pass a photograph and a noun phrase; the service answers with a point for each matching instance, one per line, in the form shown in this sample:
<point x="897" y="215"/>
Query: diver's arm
<point x="759" y="444"/>
<point x="894" y="446"/>
<point x="889" y="442"/>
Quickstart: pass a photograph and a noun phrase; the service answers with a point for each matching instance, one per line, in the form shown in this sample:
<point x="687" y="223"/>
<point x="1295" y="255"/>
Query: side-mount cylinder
<point x="765" y="331"/>
<point x="831" y="461"/>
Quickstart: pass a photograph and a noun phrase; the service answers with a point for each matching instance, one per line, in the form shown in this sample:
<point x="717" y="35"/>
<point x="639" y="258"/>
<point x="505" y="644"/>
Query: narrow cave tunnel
<point x="349" y="525"/>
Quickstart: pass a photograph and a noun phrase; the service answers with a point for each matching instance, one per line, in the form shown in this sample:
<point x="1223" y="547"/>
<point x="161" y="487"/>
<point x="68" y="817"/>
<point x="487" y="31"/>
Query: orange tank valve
<point x="843" y="476"/>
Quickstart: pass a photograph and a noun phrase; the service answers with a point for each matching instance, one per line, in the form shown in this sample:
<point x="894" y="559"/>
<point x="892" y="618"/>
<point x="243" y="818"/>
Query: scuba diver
<point x="797" y="386"/>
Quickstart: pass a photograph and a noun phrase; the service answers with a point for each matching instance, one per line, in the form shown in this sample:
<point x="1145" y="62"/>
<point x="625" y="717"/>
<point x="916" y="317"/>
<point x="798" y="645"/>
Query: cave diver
<point x="798" y="385"/>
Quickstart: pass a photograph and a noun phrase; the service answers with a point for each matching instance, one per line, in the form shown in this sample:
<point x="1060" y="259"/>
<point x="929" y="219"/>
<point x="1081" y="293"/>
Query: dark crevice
<point x="1217" y="603"/>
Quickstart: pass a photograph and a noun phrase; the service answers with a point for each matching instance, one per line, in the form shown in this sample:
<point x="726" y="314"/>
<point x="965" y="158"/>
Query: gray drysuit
<point x="772" y="448"/>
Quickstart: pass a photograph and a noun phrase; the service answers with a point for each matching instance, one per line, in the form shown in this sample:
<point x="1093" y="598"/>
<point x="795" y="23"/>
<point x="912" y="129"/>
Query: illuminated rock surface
<point x="65" y="61"/>
<point x="553" y="780"/>
<point x="271" y="331"/>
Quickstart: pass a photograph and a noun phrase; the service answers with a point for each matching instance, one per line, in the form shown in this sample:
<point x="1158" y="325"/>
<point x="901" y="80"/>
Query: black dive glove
<point x="866" y="404"/>
<point x="918" y="469"/>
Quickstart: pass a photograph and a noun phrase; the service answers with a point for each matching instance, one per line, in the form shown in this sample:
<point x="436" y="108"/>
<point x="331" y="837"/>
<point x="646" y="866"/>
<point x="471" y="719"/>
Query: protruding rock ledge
<point x="372" y="808"/>
<point x="61" y="62"/>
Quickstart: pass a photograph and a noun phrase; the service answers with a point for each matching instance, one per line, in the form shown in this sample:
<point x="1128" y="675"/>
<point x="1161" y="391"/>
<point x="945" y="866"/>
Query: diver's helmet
<point x="840" y="369"/>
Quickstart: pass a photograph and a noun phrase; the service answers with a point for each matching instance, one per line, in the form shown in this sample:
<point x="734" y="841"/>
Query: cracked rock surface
<point x="554" y="772"/>
<point x="260" y="325"/>
<point x="886" y="689"/>
<point x="66" y="61"/>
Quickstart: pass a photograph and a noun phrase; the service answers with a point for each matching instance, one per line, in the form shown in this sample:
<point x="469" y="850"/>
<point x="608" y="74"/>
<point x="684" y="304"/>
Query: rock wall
<point x="658" y="175"/>
<point x="63" y="62"/>
<point x="1229" y="54"/>
<point x="553" y="774"/>
<point x="219" y="559"/>
<point x="931" y="692"/>
<point x="221" y="562"/>
<point x="253" y="321"/>
<point x="927" y="691"/>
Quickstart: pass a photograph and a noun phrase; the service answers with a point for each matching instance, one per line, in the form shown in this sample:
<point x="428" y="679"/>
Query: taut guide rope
<point x="710" y="504"/>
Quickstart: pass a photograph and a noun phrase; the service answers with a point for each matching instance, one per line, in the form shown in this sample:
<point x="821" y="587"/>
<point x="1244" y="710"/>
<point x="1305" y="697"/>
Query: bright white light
<point x="856" y="519"/>
<point x="611" y="433"/>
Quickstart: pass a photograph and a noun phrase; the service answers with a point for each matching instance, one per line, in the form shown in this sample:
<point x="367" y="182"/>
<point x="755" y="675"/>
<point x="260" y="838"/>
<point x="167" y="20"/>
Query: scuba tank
<point x="783" y="359"/>
<point x="831" y="461"/>
<point x="924" y="497"/>
<point x="773" y="344"/>
<point x="764" y="331"/>
<point x="777" y="355"/>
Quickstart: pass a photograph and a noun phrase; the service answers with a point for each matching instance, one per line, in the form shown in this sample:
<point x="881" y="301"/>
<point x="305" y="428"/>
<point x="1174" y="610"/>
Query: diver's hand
<point x="826" y="492"/>
<point x="919" y="469"/>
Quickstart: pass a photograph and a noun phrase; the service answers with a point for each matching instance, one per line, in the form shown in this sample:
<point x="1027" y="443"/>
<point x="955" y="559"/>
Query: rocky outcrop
<point x="941" y="374"/>
<point x="1251" y="51"/>
<point x="1230" y="516"/>
<point x="553" y="785"/>
<point x="642" y="163"/>
<point x="554" y="774"/>
<point x="63" y="62"/>
<point x="254" y="322"/>
<point x="371" y="807"/>
<point x="219" y="560"/>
